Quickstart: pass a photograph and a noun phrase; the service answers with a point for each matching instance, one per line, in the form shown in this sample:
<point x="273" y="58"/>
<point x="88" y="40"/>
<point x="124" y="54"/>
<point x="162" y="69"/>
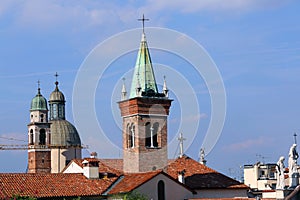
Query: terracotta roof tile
<point x="114" y="163"/>
<point x="129" y="182"/>
<point x="51" y="185"/>
<point x="199" y="176"/>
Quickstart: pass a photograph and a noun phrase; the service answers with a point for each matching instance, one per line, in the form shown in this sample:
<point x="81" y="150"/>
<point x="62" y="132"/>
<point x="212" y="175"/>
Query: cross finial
<point x="143" y="22"/>
<point x="56" y="75"/>
<point x="56" y="82"/>
<point x="295" y="138"/>
<point x="39" y="90"/>
<point x="181" y="139"/>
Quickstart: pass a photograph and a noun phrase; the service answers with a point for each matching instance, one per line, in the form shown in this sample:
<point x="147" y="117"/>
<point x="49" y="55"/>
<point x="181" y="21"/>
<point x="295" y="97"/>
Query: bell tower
<point x="39" y="154"/>
<point x="145" y="118"/>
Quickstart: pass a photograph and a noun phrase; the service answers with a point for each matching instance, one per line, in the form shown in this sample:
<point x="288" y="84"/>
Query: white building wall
<point x="73" y="168"/>
<point x="173" y="190"/>
<point x="59" y="158"/>
<point x="221" y="193"/>
<point x="251" y="176"/>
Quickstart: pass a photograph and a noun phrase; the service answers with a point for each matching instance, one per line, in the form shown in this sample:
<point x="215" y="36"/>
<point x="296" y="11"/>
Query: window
<point x="161" y="190"/>
<point x="42" y="137"/>
<point x="131" y="138"/>
<point x="148" y="134"/>
<point x="54" y="111"/>
<point x="154" y="135"/>
<point x="42" y="117"/>
<point x="151" y="135"/>
<point x="31" y="137"/>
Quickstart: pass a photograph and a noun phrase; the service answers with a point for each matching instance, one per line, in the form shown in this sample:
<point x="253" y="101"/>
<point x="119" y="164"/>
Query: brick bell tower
<point x="145" y="118"/>
<point x="39" y="153"/>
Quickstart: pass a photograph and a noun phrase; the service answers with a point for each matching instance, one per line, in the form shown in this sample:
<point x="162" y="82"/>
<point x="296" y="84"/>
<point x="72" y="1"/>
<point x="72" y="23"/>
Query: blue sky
<point x="254" y="43"/>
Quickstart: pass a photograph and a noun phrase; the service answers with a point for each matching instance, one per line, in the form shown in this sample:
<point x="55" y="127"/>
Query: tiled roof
<point x="199" y="176"/>
<point x="51" y="185"/>
<point x="114" y="163"/>
<point x="130" y="181"/>
<point x="103" y="167"/>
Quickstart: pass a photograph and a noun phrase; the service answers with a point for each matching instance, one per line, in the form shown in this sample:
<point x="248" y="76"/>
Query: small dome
<point x="57" y="95"/>
<point x="38" y="102"/>
<point x="63" y="133"/>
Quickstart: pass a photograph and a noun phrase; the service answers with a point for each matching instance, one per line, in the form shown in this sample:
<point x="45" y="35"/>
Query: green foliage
<point x="135" y="196"/>
<point x="18" y="197"/>
<point x="130" y="196"/>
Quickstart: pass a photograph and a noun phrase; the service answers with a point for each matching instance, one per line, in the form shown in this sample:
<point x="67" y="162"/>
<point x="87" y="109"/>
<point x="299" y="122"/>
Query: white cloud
<point x="5" y="6"/>
<point x="247" y="144"/>
<point x="84" y="14"/>
<point x="50" y="14"/>
<point x="191" y="6"/>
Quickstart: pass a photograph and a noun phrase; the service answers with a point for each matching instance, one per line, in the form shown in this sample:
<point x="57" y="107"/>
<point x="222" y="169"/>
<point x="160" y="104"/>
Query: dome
<point x="57" y="95"/>
<point x="63" y="133"/>
<point x="38" y="102"/>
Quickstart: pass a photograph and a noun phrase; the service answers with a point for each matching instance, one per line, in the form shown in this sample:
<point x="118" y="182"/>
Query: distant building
<point x="53" y="141"/>
<point x="260" y="177"/>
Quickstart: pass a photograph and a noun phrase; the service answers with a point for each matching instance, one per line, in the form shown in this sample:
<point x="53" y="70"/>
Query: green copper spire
<point x="143" y="82"/>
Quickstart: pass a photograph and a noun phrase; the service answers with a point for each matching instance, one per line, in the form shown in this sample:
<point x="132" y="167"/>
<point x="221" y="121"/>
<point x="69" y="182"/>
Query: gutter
<point x="113" y="185"/>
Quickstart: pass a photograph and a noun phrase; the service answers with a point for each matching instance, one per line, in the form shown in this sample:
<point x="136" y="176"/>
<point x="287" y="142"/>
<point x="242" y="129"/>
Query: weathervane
<point x="143" y="22"/>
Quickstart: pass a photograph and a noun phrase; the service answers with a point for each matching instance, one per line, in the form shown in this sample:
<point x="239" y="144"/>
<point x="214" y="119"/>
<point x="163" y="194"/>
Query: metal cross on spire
<point x="295" y="138"/>
<point x="181" y="139"/>
<point x="143" y="22"/>
<point x="56" y="75"/>
<point x="56" y="82"/>
<point x="39" y="90"/>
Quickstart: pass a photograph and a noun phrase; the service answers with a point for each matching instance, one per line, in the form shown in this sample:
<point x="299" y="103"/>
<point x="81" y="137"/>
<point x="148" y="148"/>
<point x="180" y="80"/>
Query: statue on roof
<point x="202" y="156"/>
<point x="280" y="173"/>
<point x="293" y="156"/>
<point x="293" y="171"/>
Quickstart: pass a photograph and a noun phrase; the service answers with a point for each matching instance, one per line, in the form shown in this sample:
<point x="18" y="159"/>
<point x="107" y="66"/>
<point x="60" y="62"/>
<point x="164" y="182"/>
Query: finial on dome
<point x="39" y="89"/>
<point x="56" y="82"/>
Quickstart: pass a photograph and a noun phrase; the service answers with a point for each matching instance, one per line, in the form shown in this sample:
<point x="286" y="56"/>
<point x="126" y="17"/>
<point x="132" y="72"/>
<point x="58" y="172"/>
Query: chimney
<point x="94" y="155"/>
<point x="91" y="168"/>
<point x="181" y="176"/>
